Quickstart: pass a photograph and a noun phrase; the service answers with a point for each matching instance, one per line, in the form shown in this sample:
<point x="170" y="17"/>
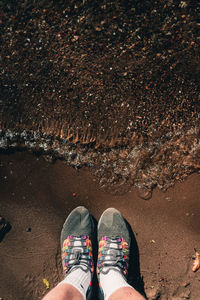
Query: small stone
<point x="168" y="199"/>
<point x="185" y="294"/>
<point x="154" y="293"/>
<point x="76" y="37"/>
<point x="183" y="4"/>
<point x="161" y="279"/>
<point x="144" y="193"/>
<point x="153" y="241"/>
<point x="185" y="284"/>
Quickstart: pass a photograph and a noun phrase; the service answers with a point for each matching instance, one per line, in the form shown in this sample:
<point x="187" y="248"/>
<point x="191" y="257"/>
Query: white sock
<point x="79" y="279"/>
<point x="111" y="282"/>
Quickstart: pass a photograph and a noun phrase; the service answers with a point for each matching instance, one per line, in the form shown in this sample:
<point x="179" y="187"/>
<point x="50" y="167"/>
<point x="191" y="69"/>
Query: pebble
<point x="144" y="193"/>
<point x="185" y="284"/>
<point x="154" y="294"/>
<point x="185" y="294"/>
<point x="168" y="199"/>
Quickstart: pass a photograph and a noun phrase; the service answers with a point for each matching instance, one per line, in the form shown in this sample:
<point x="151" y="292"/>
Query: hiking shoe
<point x="114" y="243"/>
<point x="76" y="242"/>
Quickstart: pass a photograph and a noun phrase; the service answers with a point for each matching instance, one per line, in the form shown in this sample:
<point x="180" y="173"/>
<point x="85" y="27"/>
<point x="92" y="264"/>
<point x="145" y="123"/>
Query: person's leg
<point x="77" y="261"/>
<point x="114" y="245"/>
<point x="126" y="293"/>
<point x="64" y="292"/>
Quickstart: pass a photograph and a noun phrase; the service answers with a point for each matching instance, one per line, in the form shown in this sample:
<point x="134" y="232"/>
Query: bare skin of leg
<point x="63" y="292"/>
<point x="67" y="291"/>
<point x="126" y="293"/>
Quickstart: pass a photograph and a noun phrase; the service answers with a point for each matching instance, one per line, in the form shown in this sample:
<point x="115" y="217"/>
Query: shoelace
<point x="77" y="253"/>
<point x="113" y="254"/>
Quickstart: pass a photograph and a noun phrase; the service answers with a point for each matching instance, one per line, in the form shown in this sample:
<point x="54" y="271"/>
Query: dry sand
<point x="36" y="196"/>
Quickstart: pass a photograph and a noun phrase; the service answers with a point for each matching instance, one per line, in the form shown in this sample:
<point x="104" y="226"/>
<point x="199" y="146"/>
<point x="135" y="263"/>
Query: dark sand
<point x="113" y="86"/>
<point x="37" y="194"/>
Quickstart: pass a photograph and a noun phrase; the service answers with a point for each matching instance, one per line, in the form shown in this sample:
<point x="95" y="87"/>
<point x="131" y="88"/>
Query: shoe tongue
<point x="112" y="251"/>
<point x="78" y="244"/>
<point x="79" y="259"/>
<point x="114" y="245"/>
<point x="111" y="257"/>
<point x="77" y="255"/>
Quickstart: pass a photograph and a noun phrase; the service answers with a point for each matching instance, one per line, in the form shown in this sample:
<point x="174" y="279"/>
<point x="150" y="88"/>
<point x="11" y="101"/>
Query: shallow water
<point x="145" y="165"/>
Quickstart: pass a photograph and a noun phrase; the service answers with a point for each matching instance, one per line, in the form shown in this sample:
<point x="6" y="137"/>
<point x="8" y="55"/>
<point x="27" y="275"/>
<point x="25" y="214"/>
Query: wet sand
<point x="37" y="195"/>
<point x="114" y="85"/>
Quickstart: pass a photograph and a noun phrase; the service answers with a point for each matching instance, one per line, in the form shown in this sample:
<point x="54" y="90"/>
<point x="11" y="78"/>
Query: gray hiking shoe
<point x="76" y="245"/>
<point x="114" y="243"/>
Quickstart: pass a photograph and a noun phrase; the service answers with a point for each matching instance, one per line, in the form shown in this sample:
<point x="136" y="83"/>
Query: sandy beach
<point x="100" y="106"/>
<point x="36" y="197"/>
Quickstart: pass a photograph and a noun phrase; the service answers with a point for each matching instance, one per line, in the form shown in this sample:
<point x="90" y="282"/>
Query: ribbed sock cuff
<point x="78" y="279"/>
<point x="111" y="282"/>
